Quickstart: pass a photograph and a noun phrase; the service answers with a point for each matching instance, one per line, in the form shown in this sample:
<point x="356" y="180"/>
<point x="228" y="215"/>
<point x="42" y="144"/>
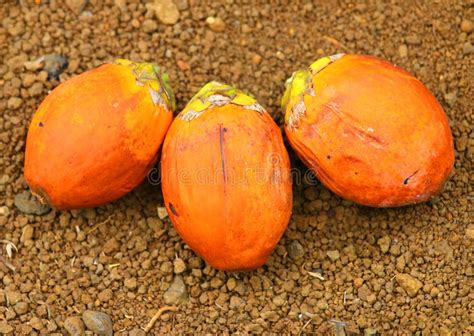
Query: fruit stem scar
<point x="405" y="181"/>
<point x="221" y="145"/>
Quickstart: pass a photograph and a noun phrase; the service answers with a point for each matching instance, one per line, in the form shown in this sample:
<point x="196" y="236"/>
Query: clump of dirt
<point x="398" y="271"/>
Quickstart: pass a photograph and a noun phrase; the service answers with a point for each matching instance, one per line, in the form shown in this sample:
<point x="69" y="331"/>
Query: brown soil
<point x="395" y="271"/>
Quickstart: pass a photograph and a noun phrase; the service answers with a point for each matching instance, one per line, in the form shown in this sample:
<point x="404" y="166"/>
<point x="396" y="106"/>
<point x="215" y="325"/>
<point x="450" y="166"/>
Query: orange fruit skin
<point x="227" y="186"/>
<point x="93" y="139"/>
<point x="374" y="134"/>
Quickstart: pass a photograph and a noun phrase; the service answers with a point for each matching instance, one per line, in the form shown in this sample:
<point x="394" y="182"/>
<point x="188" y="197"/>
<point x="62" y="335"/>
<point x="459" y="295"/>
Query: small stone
<point x="165" y="10"/>
<point x="384" y="243"/>
<point x="111" y="245"/>
<point x="14" y="103"/>
<point x="130" y="283"/>
<point x="279" y="300"/>
<point x="137" y="332"/>
<point x="468" y="48"/>
<point x="27" y="233"/>
<point x="256" y="59"/>
<point x="413" y="39"/>
<point x="216" y="24"/>
<point x="403" y="50"/>
<point x="5" y="328"/>
<point x="13" y="297"/>
<point x="98" y="322"/>
<point x="21" y="307"/>
<point x="54" y="65"/>
<point x="74" y="326"/>
<point x="176" y="293"/>
<point x="105" y="295"/>
<point x="149" y="26"/>
<point x="36" y="323"/>
<point x="121" y="4"/>
<point x="333" y="255"/>
<point x="4" y="211"/>
<point x="162" y="213"/>
<point x="36" y="89"/>
<point x="467" y="26"/>
<point x="451" y="98"/>
<point x="462" y="142"/>
<point x="27" y="203"/>
<point x="365" y="294"/>
<point x="236" y="302"/>
<point x="409" y="284"/>
<point x="358" y="282"/>
<point x="470" y="232"/>
<point x="76" y="5"/>
<point x="28" y="80"/>
<point x="295" y="250"/>
<point x="370" y="332"/>
<point x="184" y="66"/>
<point x="179" y="266"/>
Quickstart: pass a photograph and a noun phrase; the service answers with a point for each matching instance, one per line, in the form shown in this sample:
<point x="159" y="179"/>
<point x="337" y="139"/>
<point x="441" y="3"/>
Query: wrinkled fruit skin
<point x="226" y="179"/>
<point x="95" y="137"/>
<point x="370" y="131"/>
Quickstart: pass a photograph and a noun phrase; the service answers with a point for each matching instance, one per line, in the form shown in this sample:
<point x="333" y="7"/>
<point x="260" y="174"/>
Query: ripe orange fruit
<point x="226" y="178"/>
<point x="370" y="131"/>
<point x="95" y="136"/>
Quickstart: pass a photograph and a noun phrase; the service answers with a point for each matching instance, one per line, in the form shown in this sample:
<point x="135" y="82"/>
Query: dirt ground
<point x="398" y="271"/>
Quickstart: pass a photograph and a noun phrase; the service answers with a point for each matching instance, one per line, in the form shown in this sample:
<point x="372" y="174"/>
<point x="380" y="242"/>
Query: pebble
<point x="105" y="295"/>
<point x="384" y="243"/>
<point x="76" y="5"/>
<point x="74" y="326"/>
<point x="468" y="48"/>
<point x="21" y="307"/>
<point x="365" y="294"/>
<point x="34" y="65"/>
<point x="4" y="211"/>
<point x="179" y="266"/>
<point x="36" y="323"/>
<point x="403" y="50"/>
<point x="149" y="26"/>
<point x="5" y="328"/>
<point x="467" y="26"/>
<point x="27" y="203"/>
<point x="470" y="232"/>
<point x="236" y="302"/>
<point x="162" y="213"/>
<point x="54" y="65"/>
<point x="409" y="284"/>
<point x="216" y="24"/>
<point x="333" y="255"/>
<point x="130" y="283"/>
<point x="295" y="250"/>
<point x="14" y="103"/>
<point x="137" y="332"/>
<point x="165" y="10"/>
<point x="177" y="293"/>
<point x="98" y="322"/>
<point x="370" y="332"/>
<point x="256" y="59"/>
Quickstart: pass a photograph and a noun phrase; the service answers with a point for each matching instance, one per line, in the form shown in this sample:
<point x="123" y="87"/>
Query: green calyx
<point x="155" y="79"/>
<point x="215" y="94"/>
<point x="299" y="85"/>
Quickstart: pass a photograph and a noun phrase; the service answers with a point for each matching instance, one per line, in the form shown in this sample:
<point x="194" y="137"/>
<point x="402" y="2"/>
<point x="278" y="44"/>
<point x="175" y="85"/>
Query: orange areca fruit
<point x="226" y="178"/>
<point x="370" y="131"/>
<point x="95" y="137"/>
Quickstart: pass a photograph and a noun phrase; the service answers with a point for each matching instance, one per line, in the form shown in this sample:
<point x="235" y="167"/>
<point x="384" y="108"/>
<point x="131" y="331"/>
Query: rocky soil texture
<point x="339" y="269"/>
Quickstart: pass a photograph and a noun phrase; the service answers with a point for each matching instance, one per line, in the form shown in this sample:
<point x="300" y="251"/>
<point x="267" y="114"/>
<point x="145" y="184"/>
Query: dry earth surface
<point x="388" y="271"/>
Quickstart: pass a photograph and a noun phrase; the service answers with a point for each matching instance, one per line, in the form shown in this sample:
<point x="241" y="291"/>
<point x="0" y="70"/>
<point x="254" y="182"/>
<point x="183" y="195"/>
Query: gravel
<point x="76" y="261"/>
